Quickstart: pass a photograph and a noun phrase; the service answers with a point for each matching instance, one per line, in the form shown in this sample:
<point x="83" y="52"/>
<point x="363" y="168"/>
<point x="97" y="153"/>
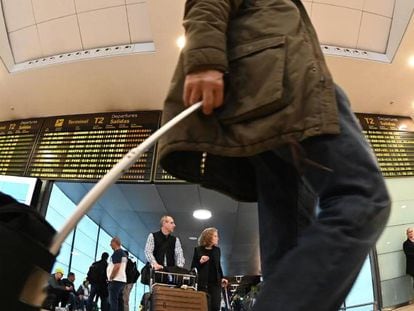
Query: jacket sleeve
<point x="54" y="284"/>
<point x="149" y="249"/>
<point x="219" y="263"/>
<point x="196" y="260"/>
<point x="205" y="23"/>
<point x="179" y="254"/>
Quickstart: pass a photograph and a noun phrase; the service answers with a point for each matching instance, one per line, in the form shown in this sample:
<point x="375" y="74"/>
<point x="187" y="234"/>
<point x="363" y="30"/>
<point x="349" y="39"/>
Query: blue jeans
<point x="116" y="303"/>
<point x="310" y="262"/>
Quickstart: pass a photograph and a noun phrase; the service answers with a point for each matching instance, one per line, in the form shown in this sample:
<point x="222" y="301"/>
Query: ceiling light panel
<point x="357" y="24"/>
<point x="374" y="32"/>
<point x="66" y="26"/>
<point x="45" y="10"/>
<point x="18" y="14"/>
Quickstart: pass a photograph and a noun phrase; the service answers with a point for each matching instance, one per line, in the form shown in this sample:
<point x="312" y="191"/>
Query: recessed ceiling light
<point x="202" y="214"/>
<point x="181" y="41"/>
<point x="403" y="206"/>
<point x="192" y="238"/>
<point x="411" y="61"/>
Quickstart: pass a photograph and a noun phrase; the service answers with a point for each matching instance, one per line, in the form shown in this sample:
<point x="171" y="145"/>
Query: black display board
<point x="85" y="147"/>
<point x="161" y="176"/>
<point x="392" y="139"/>
<point x="17" y="139"/>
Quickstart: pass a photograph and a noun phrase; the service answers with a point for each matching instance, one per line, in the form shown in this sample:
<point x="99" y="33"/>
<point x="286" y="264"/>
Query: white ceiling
<point x="358" y="24"/>
<point x="140" y="81"/>
<point x="40" y="28"/>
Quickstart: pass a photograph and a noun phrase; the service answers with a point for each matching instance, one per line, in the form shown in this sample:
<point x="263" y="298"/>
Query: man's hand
<point x="205" y="85"/>
<point x="157" y="266"/>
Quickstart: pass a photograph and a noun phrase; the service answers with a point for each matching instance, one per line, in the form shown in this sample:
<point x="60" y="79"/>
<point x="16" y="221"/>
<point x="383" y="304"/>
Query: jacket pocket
<point x="254" y="84"/>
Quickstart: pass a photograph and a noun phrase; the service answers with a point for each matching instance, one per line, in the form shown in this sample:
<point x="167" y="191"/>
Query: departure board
<point x="17" y="139"/>
<point x="162" y="176"/>
<point x="85" y="147"/>
<point x="392" y="139"/>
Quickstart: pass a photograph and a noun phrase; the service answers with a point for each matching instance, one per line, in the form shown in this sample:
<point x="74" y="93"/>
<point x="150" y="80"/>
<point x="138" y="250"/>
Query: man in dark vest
<point x="162" y="248"/>
<point x="408" y="247"/>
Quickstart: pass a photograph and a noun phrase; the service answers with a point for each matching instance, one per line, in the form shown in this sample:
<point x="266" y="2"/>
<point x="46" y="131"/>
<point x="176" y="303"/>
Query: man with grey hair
<point x="162" y="248"/>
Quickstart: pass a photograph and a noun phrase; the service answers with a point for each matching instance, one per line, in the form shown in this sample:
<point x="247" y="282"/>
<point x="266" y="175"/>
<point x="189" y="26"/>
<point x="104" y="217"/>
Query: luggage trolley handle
<point x="112" y="176"/>
<point x="185" y="276"/>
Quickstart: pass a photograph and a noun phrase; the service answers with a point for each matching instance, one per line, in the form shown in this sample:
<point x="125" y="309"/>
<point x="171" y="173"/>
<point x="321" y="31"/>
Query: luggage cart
<point x="177" y="280"/>
<point x="31" y="291"/>
<point x="175" y="292"/>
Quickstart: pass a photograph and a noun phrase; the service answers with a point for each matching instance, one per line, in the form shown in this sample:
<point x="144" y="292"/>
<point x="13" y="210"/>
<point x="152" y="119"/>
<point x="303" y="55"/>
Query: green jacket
<point x="278" y="90"/>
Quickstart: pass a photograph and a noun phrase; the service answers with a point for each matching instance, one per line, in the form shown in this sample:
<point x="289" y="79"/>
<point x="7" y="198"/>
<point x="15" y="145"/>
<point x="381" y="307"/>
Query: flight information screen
<point x="392" y="139"/>
<point x="85" y="147"/>
<point x="17" y="139"/>
<point x="162" y="176"/>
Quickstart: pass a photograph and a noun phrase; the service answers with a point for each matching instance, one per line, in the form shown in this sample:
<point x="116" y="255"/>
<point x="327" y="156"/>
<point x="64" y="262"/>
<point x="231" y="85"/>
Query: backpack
<point x="94" y="273"/>
<point x="132" y="273"/>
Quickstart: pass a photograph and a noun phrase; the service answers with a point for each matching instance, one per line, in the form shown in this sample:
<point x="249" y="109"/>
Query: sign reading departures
<point x="17" y="139"/>
<point x="85" y="147"/>
<point x="392" y="139"/>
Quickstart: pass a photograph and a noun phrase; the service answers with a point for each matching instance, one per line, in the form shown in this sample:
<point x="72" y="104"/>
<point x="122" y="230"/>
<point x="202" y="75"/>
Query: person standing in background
<point x="128" y="286"/>
<point x="99" y="282"/>
<point x="116" y="275"/>
<point x="206" y="259"/>
<point x="162" y="248"/>
<point x="408" y="247"/>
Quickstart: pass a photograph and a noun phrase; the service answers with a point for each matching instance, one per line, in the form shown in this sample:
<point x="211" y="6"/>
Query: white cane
<point x="112" y="176"/>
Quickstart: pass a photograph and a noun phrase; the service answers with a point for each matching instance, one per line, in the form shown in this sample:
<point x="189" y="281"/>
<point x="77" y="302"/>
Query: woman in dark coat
<point x="207" y="261"/>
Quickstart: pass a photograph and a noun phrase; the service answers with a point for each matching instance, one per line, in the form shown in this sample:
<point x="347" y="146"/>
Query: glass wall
<point x="59" y="209"/>
<point x="85" y="245"/>
<point x="361" y="297"/>
<point x="396" y="286"/>
<point x="20" y="188"/>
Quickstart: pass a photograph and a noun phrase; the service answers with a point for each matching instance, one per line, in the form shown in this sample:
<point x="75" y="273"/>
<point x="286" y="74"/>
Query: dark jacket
<point x="164" y="245"/>
<point x="408" y="247"/>
<point x="203" y="269"/>
<point x="68" y="283"/>
<point x="278" y="90"/>
<point x="101" y="273"/>
<point x="56" y="285"/>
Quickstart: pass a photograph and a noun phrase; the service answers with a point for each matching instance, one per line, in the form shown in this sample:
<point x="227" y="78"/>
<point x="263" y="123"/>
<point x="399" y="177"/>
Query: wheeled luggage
<point x="164" y="298"/>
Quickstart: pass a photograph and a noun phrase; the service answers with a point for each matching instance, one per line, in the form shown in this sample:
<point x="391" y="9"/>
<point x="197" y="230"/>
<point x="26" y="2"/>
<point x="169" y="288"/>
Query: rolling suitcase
<point x="27" y="234"/>
<point x="164" y="298"/>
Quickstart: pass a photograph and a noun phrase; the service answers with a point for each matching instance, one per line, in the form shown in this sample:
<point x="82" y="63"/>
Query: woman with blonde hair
<point x="207" y="261"/>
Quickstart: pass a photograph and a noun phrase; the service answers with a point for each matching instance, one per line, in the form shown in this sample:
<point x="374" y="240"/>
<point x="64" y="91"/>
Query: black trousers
<point x="214" y="296"/>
